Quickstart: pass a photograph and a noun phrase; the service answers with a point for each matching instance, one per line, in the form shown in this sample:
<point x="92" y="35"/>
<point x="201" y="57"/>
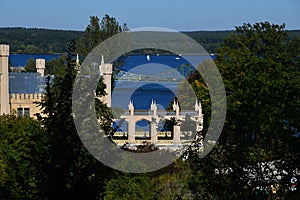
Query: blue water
<point x="142" y="93"/>
<point x="172" y="61"/>
<point x="20" y="60"/>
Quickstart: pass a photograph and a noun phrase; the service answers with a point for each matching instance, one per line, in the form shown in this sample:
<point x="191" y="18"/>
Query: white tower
<point x="40" y="66"/>
<point x="4" y="92"/>
<point x="106" y="71"/>
<point x="198" y="108"/>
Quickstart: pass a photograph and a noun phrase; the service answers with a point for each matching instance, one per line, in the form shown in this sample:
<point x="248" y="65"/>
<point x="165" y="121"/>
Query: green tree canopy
<point x="30" y="65"/>
<point x="55" y="66"/>
<point x="259" y="65"/>
<point x="72" y="172"/>
<point x="21" y="164"/>
<point x="96" y="32"/>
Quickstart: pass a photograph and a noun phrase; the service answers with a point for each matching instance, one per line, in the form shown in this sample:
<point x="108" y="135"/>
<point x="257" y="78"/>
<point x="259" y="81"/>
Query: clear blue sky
<point x="181" y="15"/>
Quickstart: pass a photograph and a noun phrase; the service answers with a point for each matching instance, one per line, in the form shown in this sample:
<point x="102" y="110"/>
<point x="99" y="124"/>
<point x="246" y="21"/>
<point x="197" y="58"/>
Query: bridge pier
<point x="131" y="131"/>
<point x="153" y="131"/>
<point x="176" y="136"/>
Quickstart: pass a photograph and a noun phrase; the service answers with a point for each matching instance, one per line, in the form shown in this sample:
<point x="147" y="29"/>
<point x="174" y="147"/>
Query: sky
<point x="179" y="15"/>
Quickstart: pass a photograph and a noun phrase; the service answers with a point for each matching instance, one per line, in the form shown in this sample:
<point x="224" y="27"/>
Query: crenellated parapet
<point x="25" y="104"/>
<point x="28" y="97"/>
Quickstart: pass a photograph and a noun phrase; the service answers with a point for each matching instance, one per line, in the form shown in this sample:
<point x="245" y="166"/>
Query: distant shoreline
<point x="51" y="41"/>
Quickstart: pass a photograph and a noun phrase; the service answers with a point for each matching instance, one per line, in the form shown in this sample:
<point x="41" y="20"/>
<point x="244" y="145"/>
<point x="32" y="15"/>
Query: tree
<point x="30" y="65"/>
<point x="72" y="172"/>
<point x="97" y="32"/>
<point x="21" y="149"/>
<point x="260" y="68"/>
<point x="110" y="27"/>
<point x="167" y="183"/>
<point x="126" y="186"/>
<point x="53" y="66"/>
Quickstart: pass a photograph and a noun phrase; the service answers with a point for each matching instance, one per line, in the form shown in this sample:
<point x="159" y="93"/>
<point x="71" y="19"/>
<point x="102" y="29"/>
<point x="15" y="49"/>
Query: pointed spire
<point x="130" y="104"/>
<point x="175" y="105"/>
<point x="196" y="105"/>
<point x="131" y="108"/>
<point x="77" y="59"/>
<point x="153" y="105"/>
<point x="102" y="59"/>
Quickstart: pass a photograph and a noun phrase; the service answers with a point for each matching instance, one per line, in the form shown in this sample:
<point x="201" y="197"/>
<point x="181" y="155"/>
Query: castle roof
<point x="26" y="83"/>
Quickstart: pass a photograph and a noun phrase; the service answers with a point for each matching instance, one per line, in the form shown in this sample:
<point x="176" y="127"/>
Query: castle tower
<point x="40" y="66"/>
<point x="4" y="92"/>
<point x="106" y="71"/>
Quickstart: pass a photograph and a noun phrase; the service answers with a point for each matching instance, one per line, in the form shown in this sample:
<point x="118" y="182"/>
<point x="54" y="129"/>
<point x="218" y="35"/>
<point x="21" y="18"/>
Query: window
<point x="20" y="112"/>
<point x="26" y="112"/>
<point x="23" y="112"/>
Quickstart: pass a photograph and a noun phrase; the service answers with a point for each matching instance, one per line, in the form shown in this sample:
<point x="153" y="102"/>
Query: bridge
<point x="173" y="75"/>
<point x="153" y="116"/>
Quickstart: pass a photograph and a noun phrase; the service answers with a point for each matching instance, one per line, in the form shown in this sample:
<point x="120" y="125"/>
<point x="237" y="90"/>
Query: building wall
<point x="16" y="104"/>
<point x="24" y="104"/>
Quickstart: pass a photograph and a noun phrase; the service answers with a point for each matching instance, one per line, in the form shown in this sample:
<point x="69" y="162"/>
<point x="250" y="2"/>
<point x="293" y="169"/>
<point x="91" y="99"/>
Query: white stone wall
<point x="4" y="92"/>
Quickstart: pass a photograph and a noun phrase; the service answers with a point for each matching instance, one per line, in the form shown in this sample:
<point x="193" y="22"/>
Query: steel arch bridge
<point x="176" y="75"/>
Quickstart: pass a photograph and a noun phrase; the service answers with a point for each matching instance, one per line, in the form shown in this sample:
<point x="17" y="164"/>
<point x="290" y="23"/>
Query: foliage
<point x="210" y="40"/>
<point x="260" y="68"/>
<point x="72" y="172"/>
<point x="21" y="146"/>
<point x="36" y="41"/>
<point x="97" y="32"/>
<point x="30" y="65"/>
<point x="125" y="187"/>
<point x="54" y="66"/>
<point x="168" y="183"/>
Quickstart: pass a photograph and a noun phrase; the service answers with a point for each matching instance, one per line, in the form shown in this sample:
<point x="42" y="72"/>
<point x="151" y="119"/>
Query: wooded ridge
<point x="44" y="41"/>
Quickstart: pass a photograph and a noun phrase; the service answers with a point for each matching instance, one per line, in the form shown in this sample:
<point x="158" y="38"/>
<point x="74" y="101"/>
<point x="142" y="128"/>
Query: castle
<point x="20" y="91"/>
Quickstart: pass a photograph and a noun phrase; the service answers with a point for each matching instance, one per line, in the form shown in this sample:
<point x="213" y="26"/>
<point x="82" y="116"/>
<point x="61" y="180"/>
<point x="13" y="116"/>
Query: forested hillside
<point x="210" y="40"/>
<point x="35" y="41"/>
<point x="32" y="40"/>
